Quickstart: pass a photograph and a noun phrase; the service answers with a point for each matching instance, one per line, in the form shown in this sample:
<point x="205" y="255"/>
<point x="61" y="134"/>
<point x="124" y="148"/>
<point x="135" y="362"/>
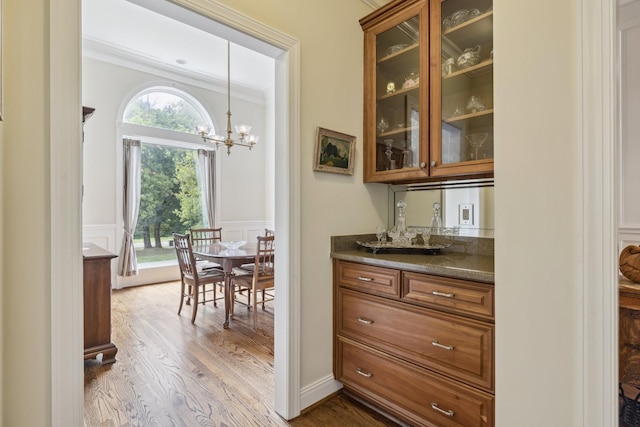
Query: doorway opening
<point x="284" y="121"/>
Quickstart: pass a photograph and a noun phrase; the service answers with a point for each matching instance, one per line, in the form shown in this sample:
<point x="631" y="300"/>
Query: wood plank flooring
<point x="172" y="373"/>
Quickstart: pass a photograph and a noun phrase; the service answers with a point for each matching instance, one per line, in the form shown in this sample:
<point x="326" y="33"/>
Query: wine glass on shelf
<point x="382" y="125"/>
<point x="380" y="233"/>
<point x="475" y="141"/>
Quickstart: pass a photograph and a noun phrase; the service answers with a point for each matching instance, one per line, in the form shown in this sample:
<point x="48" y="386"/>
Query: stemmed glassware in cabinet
<point x="380" y="232"/>
<point x="382" y="125"/>
<point x="475" y="141"/>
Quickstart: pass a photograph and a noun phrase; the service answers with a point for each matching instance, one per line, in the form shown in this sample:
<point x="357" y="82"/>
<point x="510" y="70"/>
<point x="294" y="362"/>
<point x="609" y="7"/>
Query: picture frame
<point x="335" y="152"/>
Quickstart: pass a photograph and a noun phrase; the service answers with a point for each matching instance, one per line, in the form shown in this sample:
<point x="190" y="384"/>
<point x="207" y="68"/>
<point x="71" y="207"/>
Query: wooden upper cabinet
<point x="428" y="90"/>
<point x="396" y="92"/>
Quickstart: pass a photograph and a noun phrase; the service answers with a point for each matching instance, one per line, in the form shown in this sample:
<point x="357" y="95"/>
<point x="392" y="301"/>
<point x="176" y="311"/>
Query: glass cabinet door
<point x="462" y="93"/>
<point x="396" y="95"/>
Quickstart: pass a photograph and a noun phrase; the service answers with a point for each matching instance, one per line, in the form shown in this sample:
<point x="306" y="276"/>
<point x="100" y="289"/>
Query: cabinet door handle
<point x="364" y="279"/>
<point x="437" y="344"/>
<point x="363" y="373"/>
<point x="448" y="413"/>
<point x="433" y="163"/>
<point x="442" y="294"/>
<point x="365" y="321"/>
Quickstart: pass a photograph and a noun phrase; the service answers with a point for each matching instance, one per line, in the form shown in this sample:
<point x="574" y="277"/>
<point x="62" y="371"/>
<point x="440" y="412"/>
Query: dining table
<point x="228" y="259"/>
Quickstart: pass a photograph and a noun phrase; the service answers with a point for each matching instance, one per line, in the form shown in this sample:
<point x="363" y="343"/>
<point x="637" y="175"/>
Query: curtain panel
<point x="207" y="177"/>
<point x="128" y="263"/>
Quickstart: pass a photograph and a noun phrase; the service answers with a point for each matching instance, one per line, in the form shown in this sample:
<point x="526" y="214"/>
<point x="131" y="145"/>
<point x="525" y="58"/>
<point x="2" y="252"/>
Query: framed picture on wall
<point x="335" y="152"/>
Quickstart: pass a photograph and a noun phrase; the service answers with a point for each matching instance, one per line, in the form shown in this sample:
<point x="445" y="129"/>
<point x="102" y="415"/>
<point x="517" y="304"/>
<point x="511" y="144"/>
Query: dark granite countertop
<point x="465" y="258"/>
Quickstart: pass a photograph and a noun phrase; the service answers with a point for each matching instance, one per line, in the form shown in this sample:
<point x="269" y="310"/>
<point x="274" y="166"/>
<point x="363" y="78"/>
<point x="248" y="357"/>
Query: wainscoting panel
<point x="243" y="230"/>
<point x="103" y="235"/>
<point x="628" y="236"/>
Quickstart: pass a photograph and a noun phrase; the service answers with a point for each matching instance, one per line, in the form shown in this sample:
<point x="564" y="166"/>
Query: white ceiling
<point x="123" y="31"/>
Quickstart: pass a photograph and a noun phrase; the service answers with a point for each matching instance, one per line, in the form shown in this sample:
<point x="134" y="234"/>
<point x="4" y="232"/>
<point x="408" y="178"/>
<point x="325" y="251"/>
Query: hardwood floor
<point x="172" y="373"/>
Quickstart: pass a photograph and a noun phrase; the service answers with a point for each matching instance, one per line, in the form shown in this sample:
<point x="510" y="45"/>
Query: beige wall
<point x="26" y="216"/>
<point x="536" y="107"/>
<point x="537" y="217"/>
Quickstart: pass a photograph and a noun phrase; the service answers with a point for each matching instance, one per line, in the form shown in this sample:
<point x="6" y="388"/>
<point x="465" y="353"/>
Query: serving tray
<point x="377" y="246"/>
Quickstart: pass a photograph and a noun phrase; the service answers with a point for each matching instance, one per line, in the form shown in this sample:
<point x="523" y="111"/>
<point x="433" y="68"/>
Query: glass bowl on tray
<point x="233" y="245"/>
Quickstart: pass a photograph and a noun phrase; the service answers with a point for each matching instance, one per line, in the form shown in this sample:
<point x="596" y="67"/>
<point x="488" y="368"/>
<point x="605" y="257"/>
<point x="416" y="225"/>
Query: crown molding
<point x="116" y="55"/>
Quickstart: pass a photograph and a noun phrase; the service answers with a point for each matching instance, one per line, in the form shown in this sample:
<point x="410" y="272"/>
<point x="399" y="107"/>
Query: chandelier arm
<point x="245" y="140"/>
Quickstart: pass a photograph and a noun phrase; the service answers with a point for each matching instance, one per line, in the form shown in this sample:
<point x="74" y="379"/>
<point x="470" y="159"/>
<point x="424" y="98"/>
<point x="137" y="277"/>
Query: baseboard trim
<point x="318" y="391"/>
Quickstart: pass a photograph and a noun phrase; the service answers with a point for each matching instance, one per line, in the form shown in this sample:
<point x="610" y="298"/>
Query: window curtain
<point x="128" y="264"/>
<point x="207" y="178"/>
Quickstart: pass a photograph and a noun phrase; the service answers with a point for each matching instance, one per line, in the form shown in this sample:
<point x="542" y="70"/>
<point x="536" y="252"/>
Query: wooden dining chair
<point x="206" y="236"/>
<point x="248" y="267"/>
<point x="192" y="279"/>
<point x="262" y="277"/>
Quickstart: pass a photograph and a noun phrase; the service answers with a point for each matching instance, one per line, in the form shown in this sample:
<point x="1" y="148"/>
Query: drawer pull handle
<point x="363" y="373"/>
<point x="448" y="413"/>
<point x="365" y="321"/>
<point x="364" y="279"/>
<point x="437" y="344"/>
<point x="442" y="294"/>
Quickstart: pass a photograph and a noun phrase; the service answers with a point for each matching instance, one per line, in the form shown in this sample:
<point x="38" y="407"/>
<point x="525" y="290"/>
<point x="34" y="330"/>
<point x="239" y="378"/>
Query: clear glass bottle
<point x="389" y="152"/>
<point x="407" y="155"/>
<point x="436" y="221"/>
<point x="402" y="222"/>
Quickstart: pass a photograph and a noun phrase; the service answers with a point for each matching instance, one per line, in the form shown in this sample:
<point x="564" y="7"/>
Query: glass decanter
<point x="436" y="221"/>
<point x="400" y="236"/>
<point x="407" y="155"/>
<point x="388" y="143"/>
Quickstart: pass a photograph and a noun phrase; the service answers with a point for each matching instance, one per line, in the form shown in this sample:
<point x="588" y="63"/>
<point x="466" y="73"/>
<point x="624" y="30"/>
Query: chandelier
<point x="244" y="139"/>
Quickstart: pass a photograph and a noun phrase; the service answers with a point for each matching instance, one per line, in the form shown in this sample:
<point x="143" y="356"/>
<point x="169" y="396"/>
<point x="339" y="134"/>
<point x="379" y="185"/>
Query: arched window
<point x="166" y="108"/>
<point x="172" y="198"/>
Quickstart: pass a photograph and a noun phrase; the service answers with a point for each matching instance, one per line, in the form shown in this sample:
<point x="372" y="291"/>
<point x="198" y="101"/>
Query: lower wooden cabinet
<point x="97" y="304"/>
<point x="420" y="364"/>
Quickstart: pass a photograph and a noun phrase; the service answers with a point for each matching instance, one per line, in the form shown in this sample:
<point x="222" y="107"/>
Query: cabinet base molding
<point x="108" y="352"/>
<point x="354" y="396"/>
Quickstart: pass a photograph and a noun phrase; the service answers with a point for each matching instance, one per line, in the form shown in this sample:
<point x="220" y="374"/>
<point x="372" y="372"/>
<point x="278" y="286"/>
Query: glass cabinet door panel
<point x="463" y="120"/>
<point x="397" y="96"/>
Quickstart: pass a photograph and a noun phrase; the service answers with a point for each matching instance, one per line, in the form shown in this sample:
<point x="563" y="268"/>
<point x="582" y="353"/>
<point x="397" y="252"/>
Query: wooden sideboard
<point x="417" y="347"/>
<point x="629" y="331"/>
<point x="97" y="303"/>
<point x="629" y="351"/>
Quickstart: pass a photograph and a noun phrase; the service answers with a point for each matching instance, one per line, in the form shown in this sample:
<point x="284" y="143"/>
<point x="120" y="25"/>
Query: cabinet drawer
<point x="377" y="280"/>
<point x="457" y="347"/>
<point x="409" y="392"/>
<point x="456" y="296"/>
